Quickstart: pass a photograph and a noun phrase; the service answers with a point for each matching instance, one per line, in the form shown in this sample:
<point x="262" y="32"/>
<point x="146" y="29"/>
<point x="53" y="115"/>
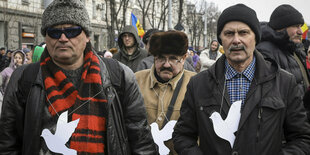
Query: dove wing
<point x="168" y="130"/>
<point x="221" y="128"/>
<point x="64" y="129"/>
<point x="233" y="117"/>
<point x="62" y="119"/>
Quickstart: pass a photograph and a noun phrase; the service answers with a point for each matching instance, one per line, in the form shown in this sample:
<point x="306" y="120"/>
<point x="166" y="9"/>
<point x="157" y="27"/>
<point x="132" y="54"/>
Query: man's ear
<point x="185" y="55"/>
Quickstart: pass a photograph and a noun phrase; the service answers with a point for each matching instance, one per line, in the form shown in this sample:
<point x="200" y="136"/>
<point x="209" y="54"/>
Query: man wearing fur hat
<point x="70" y="106"/>
<point x="243" y="104"/>
<point x="146" y="63"/>
<point x="281" y="38"/>
<point x="130" y="53"/>
<point x="163" y="86"/>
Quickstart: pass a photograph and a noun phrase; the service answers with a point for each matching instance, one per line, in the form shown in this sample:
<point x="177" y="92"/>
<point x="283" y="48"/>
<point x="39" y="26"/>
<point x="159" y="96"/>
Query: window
<point x="2" y="34"/>
<point x="94" y="9"/>
<point x="103" y="11"/>
<point x="25" y="2"/>
<point x="45" y="3"/>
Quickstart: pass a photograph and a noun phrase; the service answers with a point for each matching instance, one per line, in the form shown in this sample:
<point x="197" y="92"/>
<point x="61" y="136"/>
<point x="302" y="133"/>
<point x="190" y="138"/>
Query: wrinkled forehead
<point x="235" y="25"/>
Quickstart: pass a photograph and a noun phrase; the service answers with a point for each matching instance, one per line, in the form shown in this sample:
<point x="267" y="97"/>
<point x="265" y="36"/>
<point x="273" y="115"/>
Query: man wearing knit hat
<point x="163" y="86"/>
<point x="243" y="104"/>
<point x="67" y="103"/>
<point x="281" y="39"/>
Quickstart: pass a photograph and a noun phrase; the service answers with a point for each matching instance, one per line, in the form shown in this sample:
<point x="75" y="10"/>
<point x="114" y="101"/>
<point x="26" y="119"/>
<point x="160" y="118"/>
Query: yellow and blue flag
<point x="135" y="22"/>
<point x="305" y="30"/>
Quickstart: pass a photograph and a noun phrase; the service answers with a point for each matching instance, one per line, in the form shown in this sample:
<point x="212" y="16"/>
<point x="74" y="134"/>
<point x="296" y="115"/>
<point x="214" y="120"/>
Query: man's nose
<point x="236" y="39"/>
<point x="299" y="30"/>
<point x="63" y="37"/>
<point x="167" y="63"/>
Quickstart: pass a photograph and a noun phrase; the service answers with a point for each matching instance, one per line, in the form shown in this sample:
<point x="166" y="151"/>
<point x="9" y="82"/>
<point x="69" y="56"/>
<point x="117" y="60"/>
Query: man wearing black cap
<point x="243" y="104"/>
<point x="73" y="105"/>
<point x="281" y="38"/>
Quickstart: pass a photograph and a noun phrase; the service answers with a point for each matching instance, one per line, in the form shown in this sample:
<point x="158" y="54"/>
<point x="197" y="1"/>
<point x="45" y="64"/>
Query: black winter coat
<point x="21" y="121"/>
<point x="272" y="108"/>
<point x="276" y="45"/>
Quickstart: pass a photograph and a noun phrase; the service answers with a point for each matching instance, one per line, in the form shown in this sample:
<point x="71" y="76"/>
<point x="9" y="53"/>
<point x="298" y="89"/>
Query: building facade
<point x="20" y="20"/>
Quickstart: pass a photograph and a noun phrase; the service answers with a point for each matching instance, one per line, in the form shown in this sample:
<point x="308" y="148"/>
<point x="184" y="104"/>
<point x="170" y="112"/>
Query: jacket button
<point x="235" y="153"/>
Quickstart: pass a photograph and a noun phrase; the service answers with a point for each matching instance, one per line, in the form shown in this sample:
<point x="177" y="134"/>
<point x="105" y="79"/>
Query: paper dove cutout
<point x="56" y="143"/>
<point x="226" y="129"/>
<point x="162" y="135"/>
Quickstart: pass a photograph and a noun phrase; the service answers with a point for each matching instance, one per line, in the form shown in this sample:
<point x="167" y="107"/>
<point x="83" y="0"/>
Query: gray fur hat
<point x="66" y="12"/>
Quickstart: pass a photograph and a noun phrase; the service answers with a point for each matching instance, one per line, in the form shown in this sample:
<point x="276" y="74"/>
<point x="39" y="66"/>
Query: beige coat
<point x="150" y="88"/>
<point x="153" y="92"/>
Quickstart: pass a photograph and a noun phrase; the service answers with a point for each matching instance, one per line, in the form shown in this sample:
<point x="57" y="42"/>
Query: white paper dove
<point x="162" y="135"/>
<point x="226" y="129"/>
<point x="56" y="143"/>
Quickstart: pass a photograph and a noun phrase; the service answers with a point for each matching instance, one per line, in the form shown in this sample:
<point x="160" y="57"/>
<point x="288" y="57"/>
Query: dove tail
<point x="70" y="152"/>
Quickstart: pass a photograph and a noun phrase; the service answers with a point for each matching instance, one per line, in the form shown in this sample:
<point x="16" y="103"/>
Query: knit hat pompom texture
<point x="170" y="42"/>
<point x="242" y="13"/>
<point x="66" y="12"/>
<point x="284" y="16"/>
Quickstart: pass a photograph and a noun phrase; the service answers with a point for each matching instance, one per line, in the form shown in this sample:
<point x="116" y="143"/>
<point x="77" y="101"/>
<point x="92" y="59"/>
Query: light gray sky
<point x="264" y="8"/>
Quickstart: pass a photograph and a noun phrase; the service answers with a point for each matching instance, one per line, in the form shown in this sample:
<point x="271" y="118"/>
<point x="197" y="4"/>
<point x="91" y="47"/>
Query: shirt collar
<point x="248" y="72"/>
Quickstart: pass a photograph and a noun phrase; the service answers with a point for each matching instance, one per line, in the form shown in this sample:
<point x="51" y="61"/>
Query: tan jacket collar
<point x="173" y="82"/>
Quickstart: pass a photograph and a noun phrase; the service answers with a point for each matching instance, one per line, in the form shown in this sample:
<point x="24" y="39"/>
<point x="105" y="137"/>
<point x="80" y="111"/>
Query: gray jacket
<point x="133" y="60"/>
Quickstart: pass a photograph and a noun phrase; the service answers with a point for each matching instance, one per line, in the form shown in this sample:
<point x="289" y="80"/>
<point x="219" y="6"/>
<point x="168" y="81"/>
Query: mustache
<point x="236" y="48"/>
<point x="164" y="68"/>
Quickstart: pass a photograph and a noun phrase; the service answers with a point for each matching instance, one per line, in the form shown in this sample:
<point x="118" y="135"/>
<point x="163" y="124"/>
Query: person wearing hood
<point x="209" y="56"/>
<point x="130" y="53"/>
<point x="28" y="53"/>
<point x="281" y="38"/>
<point x="18" y="59"/>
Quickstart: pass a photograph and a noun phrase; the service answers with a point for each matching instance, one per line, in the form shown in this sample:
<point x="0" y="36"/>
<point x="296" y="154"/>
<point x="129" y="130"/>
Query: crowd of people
<point x="248" y="92"/>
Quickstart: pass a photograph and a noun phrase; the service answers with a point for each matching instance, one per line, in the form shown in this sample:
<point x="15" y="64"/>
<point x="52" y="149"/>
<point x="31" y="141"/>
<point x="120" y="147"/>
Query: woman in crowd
<point x="18" y="59"/>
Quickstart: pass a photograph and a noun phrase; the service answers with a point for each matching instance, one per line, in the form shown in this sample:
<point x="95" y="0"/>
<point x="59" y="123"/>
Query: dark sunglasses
<point x="69" y="32"/>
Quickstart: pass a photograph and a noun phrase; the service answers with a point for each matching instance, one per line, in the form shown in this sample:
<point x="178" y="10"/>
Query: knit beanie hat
<point x="66" y="12"/>
<point x="242" y="13"/>
<point x="284" y="16"/>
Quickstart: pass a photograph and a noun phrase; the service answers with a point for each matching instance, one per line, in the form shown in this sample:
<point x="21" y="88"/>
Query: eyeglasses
<point x="172" y="60"/>
<point x="69" y="32"/>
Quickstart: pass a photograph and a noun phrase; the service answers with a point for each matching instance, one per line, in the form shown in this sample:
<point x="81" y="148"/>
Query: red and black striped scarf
<point x="89" y="136"/>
